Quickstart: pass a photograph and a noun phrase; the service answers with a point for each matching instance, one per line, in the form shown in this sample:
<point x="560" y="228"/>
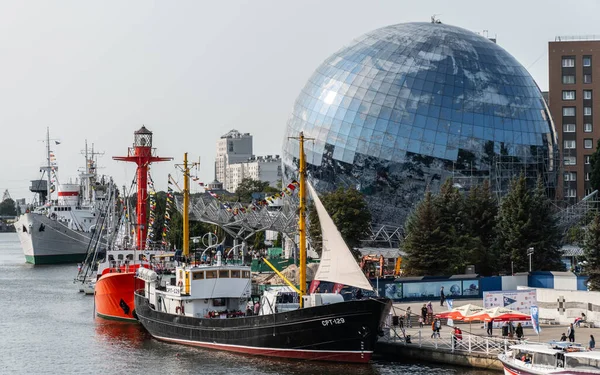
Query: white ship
<point x="59" y="230"/>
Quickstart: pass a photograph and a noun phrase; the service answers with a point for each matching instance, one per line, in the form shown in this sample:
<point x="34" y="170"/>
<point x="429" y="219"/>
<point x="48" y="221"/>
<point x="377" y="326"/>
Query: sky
<point x="190" y="71"/>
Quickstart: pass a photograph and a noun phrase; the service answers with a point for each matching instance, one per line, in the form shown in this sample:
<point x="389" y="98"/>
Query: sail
<point x="337" y="262"/>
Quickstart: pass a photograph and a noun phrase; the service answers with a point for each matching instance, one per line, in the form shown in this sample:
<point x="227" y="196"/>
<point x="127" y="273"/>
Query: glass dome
<point x="404" y="107"/>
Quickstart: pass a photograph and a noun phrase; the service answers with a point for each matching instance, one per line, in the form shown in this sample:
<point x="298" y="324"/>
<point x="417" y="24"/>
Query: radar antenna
<point x="434" y="18"/>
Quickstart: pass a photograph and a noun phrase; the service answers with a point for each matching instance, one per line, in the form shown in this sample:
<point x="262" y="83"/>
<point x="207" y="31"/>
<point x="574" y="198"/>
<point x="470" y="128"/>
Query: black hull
<point x="341" y="332"/>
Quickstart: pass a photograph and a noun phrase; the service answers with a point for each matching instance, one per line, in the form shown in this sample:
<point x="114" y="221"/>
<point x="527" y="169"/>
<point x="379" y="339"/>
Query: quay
<point x="476" y="349"/>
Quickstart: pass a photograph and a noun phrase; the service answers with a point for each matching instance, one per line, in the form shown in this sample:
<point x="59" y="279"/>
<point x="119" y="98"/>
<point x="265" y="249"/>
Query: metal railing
<point x="469" y="343"/>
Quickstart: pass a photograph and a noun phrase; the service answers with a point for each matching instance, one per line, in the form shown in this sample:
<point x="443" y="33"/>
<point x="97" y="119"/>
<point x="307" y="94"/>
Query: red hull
<point x="314" y="355"/>
<point x="113" y="295"/>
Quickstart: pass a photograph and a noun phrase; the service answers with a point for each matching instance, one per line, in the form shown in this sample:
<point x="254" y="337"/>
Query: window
<point x="587" y="111"/>
<point x="570" y="176"/>
<point x="587" y="60"/>
<point x="568" y="62"/>
<point x="572" y="193"/>
<point x="235" y="274"/>
<point x="568" y="79"/>
<point x="588" y="191"/>
<point x="587" y="159"/>
<point x="569" y="145"/>
<point x="570" y="160"/>
<point x="587" y="128"/>
<point x="587" y="94"/>
<point x="587" y="143"/>
<point x="198" y="275"/>
<point x="569" y="128"/>
<point x="587" y="176"/>
<point x="223" y="274"/>
<point x="569" y="95"/>
<point x="568" y="111"/>
<point x="246" y="274"/>
<point x="211" y="274"/>
<point x="587" y="78"/>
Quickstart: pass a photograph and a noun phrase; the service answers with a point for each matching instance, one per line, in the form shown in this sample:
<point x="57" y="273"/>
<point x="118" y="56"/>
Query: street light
<point x="530" y="253"/>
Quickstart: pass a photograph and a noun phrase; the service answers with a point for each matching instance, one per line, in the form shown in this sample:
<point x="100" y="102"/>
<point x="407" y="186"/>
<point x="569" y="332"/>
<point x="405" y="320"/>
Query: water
<point x="48" y="327"/>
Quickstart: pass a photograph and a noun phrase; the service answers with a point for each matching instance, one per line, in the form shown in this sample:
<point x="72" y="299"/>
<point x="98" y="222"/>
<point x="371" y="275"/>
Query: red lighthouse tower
<point x="143" y="155"/>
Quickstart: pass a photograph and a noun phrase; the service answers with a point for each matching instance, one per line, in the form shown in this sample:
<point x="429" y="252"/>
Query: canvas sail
<point x="337" y="262"/>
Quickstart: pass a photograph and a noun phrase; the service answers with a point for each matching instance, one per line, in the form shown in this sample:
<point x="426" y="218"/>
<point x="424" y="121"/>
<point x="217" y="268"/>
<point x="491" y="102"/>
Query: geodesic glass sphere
<point x="406" y="106"/>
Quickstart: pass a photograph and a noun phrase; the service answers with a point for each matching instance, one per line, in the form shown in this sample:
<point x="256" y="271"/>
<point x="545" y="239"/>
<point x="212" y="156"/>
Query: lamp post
<point x="530" y="253"/>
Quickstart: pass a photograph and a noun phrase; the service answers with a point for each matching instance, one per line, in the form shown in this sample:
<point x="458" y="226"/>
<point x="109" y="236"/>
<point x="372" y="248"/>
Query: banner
<point x="535" y="319"/>
<point x="450" y="321"/>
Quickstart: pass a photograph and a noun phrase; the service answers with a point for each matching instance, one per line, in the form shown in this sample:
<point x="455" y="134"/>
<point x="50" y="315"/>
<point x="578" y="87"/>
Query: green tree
<point x="248" y="186"/>
<point x="513" y="228"/>
<point x="279" y="240"/>
<point x="545" y="236"/>
<point x="314" y="229"/>
<point x="348" y="210"/>
<point x="482" y="209"/>
<point x="425" y="244"/>
<point x="595" y="168"/>
<point x="8" y="208"/>
<point x="591" y="252"/>
<point x="259" y="240"/>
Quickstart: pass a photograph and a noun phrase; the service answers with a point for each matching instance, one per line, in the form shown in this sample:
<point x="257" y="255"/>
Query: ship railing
<point x="469" y="343"/>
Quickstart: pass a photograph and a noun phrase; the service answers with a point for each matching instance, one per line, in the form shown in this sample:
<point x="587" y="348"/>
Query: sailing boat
<point x="205" y="304"/>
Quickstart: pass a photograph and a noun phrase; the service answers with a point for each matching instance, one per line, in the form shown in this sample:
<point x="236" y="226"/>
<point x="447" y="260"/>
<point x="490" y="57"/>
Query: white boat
<point x="59" y="230"/>
<point x="553" y="358"/>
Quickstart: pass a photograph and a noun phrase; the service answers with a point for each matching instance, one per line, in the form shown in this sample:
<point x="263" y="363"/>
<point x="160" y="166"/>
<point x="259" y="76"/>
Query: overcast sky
<point x="192" y="70"/>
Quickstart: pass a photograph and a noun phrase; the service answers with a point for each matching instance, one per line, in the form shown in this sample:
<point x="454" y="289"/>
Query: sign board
<point x="518" y="300"/>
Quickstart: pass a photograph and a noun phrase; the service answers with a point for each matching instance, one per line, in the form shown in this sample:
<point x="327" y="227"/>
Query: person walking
<point x="519" y="331"/>
<point x="571" y="333"/>
<point x="429" y="312"/>
<point x="442" y="296"/>
<point x="408" y="313"/>
<point x="423" y="315"/>
<point x="490" y="326"/>
<point x="592" y="342"/>
<point x="456" y="336"/>
<point x="436" y="326"/>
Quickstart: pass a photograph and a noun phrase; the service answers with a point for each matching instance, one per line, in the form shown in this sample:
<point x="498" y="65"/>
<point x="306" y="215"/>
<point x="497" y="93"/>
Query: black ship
<point x="209" y="305"/>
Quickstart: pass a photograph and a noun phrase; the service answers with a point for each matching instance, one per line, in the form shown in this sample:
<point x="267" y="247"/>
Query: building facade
<point x="233" y="147"/>
<point x="262" y="168"/>
<point x="574" y="102"/>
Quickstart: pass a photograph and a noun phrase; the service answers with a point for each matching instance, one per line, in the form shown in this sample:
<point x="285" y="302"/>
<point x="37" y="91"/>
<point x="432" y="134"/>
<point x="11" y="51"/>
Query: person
<point x="519" y="331"/>
<point x="401" y="320"/>
<point x="490" y="326"/>
<point x="571" y="333"/>
<point x="563" y="337"/>
<point x="456" y="336"/>
<point x="423" y="315"/>
<point x="442" y="296"/>
<point x="421" y="322"/>
<point x="592" y="342"/>
<point x="256" y="308"/>
<point x="429" y="312"/>
<point x="359" y="294"/>
<point x="579" y="320"/>
<point x="408" y="313"/>
<point x="249" y="308"/>
<point x="435" y="328"/>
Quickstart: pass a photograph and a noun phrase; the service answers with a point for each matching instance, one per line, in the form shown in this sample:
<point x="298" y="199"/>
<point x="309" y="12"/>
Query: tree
<point x="258" y="240"/>
<point x="545" y="236"/>
<point x="248" y="186"/>
<point x="591" y="252"/>
<point x="279" y="240"/>
<point x="425" y="244"/>
<point x="513" y="229"/>
<point x="482" y="209"/>
<point x="595" y="168"/>
<point x="349" y="212"/>
<point x="8" y="208"/>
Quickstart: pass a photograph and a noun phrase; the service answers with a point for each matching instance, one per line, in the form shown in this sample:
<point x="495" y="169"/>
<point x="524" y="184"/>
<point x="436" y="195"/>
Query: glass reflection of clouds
<point x="406" y="106"/>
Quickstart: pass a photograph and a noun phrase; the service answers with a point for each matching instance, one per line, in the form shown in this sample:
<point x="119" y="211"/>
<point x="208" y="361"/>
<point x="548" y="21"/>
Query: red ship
<point x="114" y="289"/>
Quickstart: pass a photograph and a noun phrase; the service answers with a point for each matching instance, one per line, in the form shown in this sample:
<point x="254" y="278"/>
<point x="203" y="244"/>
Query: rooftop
<point x="576" y="38"/>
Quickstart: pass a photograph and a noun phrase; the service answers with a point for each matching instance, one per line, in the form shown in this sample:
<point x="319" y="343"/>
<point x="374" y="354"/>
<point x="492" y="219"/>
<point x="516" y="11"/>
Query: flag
<point x="535" y="319"/>
<point x="57" y="142"/>
<point x="449" y="303"/>
<point x="509" y="301"/>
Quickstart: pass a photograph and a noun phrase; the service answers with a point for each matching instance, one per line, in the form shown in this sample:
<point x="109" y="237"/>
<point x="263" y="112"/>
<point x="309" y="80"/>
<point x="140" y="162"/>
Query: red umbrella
<point x="459" y="313"/>
<point x="498" y="314"/>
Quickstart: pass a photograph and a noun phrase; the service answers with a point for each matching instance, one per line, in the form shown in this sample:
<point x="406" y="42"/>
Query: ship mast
<point x="48" y="167"/>
<point x="186" y="198"/>
<point x="302" y="219"/>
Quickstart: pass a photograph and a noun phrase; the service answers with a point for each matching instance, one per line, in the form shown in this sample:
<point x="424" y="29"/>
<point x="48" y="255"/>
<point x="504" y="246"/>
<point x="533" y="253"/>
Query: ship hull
<point x="114" y="296"/>
<point x="339" y="332"/>
<point x="46" y="241"/>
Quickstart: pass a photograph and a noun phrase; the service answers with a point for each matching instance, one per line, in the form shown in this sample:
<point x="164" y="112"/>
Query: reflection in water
<point x="124" y="334"/>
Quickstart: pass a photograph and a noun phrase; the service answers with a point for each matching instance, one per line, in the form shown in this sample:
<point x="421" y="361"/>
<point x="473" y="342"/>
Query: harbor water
<point x="48" y="327"/>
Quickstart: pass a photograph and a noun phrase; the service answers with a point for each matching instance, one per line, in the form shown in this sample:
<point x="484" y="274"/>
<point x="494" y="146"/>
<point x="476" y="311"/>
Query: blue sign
<point x="509" y="301"/>
<point x="535" y="319"/>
